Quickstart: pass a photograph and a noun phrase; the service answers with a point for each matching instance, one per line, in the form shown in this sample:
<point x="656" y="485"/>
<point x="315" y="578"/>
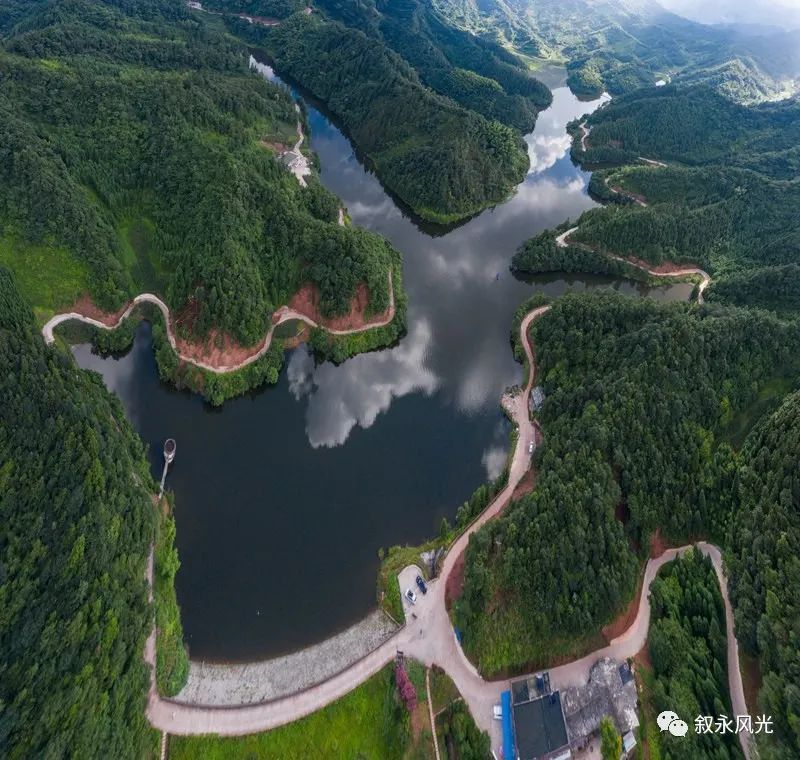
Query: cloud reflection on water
<point x="355" y="393"/>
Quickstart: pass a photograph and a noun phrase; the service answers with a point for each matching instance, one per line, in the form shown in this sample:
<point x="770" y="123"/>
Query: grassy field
<point x="443" y="690"/>
<point x="139" y="256"/>
<point x="368" y="723"/>
<point x="508" y="646"/>
<point x="49" y="277"/>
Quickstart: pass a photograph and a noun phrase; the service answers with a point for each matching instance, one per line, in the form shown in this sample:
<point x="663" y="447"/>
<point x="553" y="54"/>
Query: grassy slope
<point x="47" y="275"/>
<point x="367" y="723"/>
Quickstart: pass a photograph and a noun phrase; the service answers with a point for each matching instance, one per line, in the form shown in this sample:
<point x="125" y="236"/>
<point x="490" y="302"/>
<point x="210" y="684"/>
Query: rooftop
<point x="611" y="691"/>
<point x="539" y="727"/>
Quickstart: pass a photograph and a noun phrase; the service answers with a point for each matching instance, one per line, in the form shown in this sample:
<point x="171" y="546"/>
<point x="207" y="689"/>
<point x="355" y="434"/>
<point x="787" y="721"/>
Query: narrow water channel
<point x="284" y="496"/>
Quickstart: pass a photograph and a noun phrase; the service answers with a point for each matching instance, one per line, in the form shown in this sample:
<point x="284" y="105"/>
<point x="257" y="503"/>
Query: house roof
<point x="609" y="691"/>
<point x="539" y="727"/>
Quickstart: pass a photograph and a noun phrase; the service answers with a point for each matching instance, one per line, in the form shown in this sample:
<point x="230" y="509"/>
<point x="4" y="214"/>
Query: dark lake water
<point x="284" y="497"/>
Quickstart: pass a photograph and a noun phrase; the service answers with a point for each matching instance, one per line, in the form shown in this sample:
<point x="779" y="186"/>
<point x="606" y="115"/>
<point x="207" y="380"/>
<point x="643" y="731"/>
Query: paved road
<point x="281" y="315"/>
<point x="429" y="637"/>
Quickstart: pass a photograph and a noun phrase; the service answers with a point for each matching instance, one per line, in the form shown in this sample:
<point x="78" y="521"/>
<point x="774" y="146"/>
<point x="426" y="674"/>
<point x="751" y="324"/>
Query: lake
<point x="283" y="497"/>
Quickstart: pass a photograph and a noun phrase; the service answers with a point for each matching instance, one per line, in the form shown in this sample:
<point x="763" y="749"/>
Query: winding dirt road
<point x="562" y="241"/>
<point x="430" y="628"/>
<point x="283" y="314"/>
<point x="429" y="637"/>
<point x="584" y="134"/>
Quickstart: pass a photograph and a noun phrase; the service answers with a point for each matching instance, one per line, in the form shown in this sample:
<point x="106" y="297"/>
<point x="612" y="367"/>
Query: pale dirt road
<point x="429" y="638"/>
<point x="283" y="313"/>
<point x="562" y="241"/>
<point x="428" y="635"/>
<point x="584" y="134"/>
<point x="617" y="191"/>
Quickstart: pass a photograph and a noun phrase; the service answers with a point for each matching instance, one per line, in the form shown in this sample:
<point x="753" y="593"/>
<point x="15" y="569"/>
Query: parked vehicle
<point x="530" y="447"/>
<point x="423" y="587"/>
<point x="497" y="711"/>
<point x="411" y="596"/>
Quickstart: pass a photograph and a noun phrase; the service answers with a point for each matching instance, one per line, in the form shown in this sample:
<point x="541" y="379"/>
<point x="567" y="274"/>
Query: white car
<point x="411" y="596"/>
<point x="530" y="447"/>
<point x="497" y="712"/>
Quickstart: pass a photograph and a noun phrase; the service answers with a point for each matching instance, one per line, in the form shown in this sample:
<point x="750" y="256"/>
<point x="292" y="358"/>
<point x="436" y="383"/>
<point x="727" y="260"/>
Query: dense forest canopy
<point x="622" y="46"/>
<point x="688" y="650"/>
<point x="475" y="72"/>
<point x="435" y="111"/>
<point x="140" y="115"/>
<point x="76" y="521"/>
<point x="727" y="201"/>
<point x="640" y="401"/>
<point x="764" y="567"/>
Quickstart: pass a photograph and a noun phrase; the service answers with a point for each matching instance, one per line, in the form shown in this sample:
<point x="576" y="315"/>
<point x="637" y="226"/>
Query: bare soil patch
<point x="622" y="191"/>
<point x="306" y="302"/>
<point x="260" y="20"/>
<point x="525" y="486"/>
<point x="300" y="337"/>
<point x="626" y="618"/>
<point x="642" y="657"/>
<point x="278" y="148"/>
<point x="751" y="680"/>
<point x="217" y="349"/>
<point x="87" y="308"/>
<point x="658" y="544"/>
<point x="666" y="267"/>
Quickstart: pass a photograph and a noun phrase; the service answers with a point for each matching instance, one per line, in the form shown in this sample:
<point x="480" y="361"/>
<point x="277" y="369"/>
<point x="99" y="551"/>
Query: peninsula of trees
<point x="139" y="152"/>
<point x="644" y="402"/>
<point x="436" y="111"/>
<point x="726" y="199"/>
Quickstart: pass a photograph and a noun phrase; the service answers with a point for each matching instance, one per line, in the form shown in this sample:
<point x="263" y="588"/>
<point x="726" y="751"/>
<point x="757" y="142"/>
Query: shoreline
<point x="429" y="638"/>
<point x="665" y="269"/>
<point x="181" y="348"/>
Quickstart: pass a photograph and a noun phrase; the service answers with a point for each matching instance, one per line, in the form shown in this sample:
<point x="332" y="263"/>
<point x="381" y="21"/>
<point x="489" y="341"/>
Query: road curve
<point x="584" y="134"/>
<point x="177" y="718"/>
<point x="562" y="241"/>
<point x="429" y="637"/>
<point x="283" y="313"/>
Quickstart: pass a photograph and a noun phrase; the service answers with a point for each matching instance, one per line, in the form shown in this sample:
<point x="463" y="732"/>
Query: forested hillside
<point x="641" y="398"/>
<point x="139" y="153"/>
<point x="77" y="522"/>
<point x="435" y="111"/>
<point x="688" y="650"/>
<point x="475" y="72"/>
<point x="774" y="288"/>
<point x="620" y="46"/>
<point x="764" y="566"/>
<point x="727" y="201"/>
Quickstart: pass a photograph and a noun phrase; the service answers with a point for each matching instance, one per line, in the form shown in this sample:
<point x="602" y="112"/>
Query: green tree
<point x="610" y="740"/>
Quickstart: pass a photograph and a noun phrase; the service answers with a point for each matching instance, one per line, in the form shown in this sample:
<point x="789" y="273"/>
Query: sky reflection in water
<point x="283" y="497"/>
